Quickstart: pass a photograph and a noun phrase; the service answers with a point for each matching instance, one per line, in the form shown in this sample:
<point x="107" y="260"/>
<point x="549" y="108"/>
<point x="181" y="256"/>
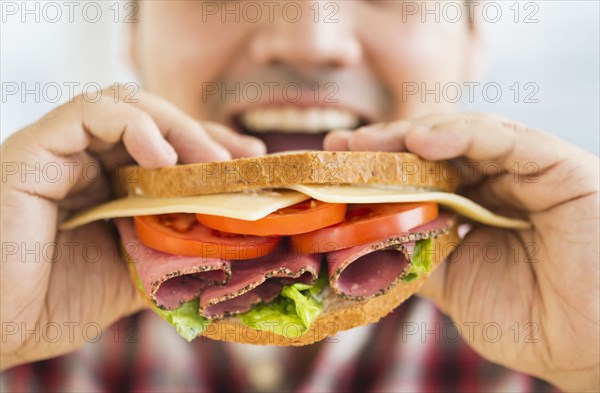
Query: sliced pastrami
<point x="371" y="269"/>
<point x="265" y="292"/>
<point x="170" y="280"/>
<point x="257" y="280"/>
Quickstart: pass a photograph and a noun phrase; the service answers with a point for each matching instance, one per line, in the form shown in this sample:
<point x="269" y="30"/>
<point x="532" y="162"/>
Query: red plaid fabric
<point x="414" y="349"/>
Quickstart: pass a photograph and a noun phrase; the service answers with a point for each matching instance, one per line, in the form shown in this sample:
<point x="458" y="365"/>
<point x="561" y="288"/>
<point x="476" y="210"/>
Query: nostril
<point x="331" y="64"/>
<point x="275" y="62"/>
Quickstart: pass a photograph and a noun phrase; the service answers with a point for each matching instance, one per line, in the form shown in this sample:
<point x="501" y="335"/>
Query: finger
<point x="530" y="160"/>
<point x="186" y="135"/>
<point x="380" y="137"/>
<point x="90" y="189"/>
<point x="337" y="140"/>
<point x="374" y="137"/>
<point x="237" y="144"/>
<point x="483" y="137"/>
<point x="50" y="150"/>
<point x="79" y="125"/>
<point x="115" y="157"/>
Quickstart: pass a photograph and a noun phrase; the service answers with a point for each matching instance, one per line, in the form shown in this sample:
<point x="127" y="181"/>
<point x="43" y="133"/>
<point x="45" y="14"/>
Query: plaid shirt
<point x="414" y="349"/>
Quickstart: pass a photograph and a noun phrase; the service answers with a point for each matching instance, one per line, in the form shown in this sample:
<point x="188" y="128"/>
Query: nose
<point x="315" y="35"/>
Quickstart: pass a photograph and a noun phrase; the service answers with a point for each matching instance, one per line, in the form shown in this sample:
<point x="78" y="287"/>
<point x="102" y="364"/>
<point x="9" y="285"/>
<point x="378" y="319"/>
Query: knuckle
<point x="515" y="128"/>
<point x="78" y="104"/>
<point x="119" y="92"/>
<point x="473" y="120"/>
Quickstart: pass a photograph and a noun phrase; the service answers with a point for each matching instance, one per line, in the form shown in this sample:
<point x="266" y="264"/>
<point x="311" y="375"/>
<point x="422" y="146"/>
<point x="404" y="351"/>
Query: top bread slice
<point x="278" y="170"/>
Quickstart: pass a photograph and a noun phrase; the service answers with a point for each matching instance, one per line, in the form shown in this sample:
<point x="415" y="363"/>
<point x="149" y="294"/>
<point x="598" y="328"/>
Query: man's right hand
<point x="58" y="166"/>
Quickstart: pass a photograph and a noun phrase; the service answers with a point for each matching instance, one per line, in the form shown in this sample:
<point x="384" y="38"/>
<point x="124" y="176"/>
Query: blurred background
<point x="542" y="56"/>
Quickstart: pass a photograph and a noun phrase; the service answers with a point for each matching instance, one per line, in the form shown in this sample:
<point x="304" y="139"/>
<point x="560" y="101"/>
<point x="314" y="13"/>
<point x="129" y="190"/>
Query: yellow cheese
<point x="243" y="205"/>
<point x="252" y="206"/>
<point x="371" y="194"/>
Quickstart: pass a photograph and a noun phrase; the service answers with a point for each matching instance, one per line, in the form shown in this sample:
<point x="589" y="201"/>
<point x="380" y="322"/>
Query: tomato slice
<point x="302" y="217"/>
<point x="366" y="223"/>
<point x="181" y="234"/>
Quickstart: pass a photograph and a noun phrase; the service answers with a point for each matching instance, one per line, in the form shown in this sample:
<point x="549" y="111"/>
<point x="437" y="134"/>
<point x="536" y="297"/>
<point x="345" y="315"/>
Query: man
<point x="346" y="73"/>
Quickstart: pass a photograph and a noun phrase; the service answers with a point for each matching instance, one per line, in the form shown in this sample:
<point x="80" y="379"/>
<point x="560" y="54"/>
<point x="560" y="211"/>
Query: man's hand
<point x="544" y="281"/>
<point x="75" y="282"/>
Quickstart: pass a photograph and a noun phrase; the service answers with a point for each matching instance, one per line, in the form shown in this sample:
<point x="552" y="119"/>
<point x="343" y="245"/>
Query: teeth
<point x="292" y="119"/>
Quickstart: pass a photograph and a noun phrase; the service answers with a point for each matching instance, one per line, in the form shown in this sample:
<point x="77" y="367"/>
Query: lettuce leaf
<point x="421" y="260"/>
<point x="186" y="319"/>
<point x="291" y="313"/>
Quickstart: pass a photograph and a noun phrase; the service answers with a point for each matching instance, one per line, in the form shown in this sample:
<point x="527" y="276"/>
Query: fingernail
<point x="337" y="140"/>
<point x="397" y="126"/>
<point x="221" y="153"/>
<point x="170" y="152"/>
<point x="421" y="128"/>
<point x="371" y="128"/>
<point x="255" y="147"/>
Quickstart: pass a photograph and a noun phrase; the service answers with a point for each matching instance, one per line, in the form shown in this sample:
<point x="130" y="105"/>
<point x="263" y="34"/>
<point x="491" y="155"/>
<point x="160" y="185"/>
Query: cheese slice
<point x="371" y="194"/>
<point x="249" y="206"/>
<point x="255" y="205"/>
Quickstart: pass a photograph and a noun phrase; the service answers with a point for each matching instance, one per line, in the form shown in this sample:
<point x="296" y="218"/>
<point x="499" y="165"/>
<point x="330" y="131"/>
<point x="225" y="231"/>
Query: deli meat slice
<point x="257" y="280"/>
<point x="371" y="269"/>
<point x="170" y="280"/>
<point x="265" y="292"/>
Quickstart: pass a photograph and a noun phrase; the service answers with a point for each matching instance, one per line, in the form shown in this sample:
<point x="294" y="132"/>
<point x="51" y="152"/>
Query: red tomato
<point x="300" y="218"/>
<point x="366" y="223"/>
<point x="181" y="234"/>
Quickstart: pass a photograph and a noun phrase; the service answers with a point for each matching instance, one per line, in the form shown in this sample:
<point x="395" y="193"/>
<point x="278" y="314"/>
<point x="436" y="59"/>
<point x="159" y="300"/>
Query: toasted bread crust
<point x="314" y="167"/>
<point x="338" y="314"/>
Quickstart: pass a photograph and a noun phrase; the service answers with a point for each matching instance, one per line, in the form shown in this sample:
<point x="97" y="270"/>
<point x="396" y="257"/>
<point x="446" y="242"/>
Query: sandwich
<point x="286" y="249"/>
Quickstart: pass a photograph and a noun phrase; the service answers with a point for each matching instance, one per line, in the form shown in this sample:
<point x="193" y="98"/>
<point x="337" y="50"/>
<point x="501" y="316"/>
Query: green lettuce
<point x="421" y="260"/>
<point x="291" y="313"/>
<point x="186" y="319"/>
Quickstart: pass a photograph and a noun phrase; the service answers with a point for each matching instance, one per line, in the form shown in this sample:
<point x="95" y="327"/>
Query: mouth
<point x="294" y="127"/>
